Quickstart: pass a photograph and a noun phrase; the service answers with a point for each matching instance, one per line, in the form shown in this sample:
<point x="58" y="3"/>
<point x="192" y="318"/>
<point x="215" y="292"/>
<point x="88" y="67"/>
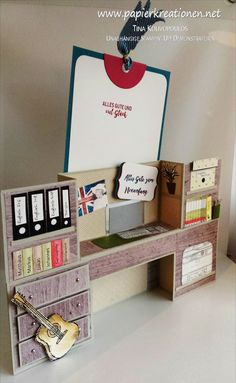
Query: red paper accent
<point x="113" y="66"/>
<point x="57" y="255"/>
<point x="201" y="219"/>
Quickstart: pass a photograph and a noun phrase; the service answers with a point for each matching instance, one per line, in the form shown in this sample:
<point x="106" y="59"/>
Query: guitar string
<point x="38" y="314"/>
<point x="47" y="323"/>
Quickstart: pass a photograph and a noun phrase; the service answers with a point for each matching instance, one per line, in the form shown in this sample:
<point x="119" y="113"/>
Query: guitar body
<point x="55" y="334"/>
<point x="57" y="346"/>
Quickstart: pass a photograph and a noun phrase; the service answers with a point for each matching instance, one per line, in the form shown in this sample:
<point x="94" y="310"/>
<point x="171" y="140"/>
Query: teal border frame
<point x="77" y="52"/>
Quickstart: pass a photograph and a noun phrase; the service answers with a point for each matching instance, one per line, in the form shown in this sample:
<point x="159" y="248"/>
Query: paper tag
<point x="137" y="182"/>
<point x="20" y="224"/>
<point x="66" y="204"/>
<point x="53" y="203"/>
<point x="20" y="210"/>
<point x="37" y="207"/>
<point x="123" y="124"/>
<point x="53" y="209"/>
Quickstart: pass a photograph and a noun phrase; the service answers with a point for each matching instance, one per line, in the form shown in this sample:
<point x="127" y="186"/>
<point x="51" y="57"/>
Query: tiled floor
<point x="148" y="339"/>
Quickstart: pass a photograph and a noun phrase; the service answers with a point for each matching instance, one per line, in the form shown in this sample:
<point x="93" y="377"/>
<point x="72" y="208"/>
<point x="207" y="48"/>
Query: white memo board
<point x="108" y="124"/>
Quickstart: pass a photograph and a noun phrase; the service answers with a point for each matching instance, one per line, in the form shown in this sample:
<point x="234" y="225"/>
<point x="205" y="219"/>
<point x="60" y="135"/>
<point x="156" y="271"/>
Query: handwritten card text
<point x="137" y="182"/>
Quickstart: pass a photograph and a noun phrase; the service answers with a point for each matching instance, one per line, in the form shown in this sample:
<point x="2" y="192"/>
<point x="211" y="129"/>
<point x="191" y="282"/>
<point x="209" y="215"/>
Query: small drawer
<point x="47" y="290"/>
<point x="31" y="351"/>
<point x="70" y="309"/>
<point x="85" y="328"/>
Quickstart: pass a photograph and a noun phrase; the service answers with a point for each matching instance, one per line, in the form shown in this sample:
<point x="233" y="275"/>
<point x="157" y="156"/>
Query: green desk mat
<point x="113" y="240"/>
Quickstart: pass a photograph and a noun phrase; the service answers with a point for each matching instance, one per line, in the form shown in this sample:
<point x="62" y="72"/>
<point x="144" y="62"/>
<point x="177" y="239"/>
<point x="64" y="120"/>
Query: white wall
<point x="36" y="46"/>
<point x="232" y="229"/>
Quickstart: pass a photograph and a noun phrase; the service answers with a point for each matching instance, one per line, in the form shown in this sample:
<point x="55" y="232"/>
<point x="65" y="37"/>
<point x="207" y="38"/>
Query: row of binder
<point x="40" y="211"/>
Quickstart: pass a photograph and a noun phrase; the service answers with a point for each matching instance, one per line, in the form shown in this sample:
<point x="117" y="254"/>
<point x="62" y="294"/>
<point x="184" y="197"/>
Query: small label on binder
<point x="53" y="210"/>
<point x="65" y="203"/>
<point x="37" y="212"/>
<point x="20" y="216"/>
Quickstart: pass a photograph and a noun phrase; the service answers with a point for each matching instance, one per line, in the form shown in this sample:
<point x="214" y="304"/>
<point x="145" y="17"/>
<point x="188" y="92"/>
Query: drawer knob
<point x="33" y="323"/>
<point x="77" y="279"/>
<point x="30" y="296"/>
<point x="33" y="351"/>
<point x="78" y="305"/>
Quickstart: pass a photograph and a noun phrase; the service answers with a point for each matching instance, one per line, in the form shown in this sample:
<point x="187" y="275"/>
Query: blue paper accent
<point x="127" y="63"/>
<point x="130" y="36"/>
<point x="77" y="52"/>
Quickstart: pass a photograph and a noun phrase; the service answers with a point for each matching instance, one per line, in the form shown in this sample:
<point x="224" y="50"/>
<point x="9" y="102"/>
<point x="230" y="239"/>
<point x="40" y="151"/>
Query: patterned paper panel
<point x="202" y="179"/>
<point x="197" y="262"/>
<point x="206" y="163"/>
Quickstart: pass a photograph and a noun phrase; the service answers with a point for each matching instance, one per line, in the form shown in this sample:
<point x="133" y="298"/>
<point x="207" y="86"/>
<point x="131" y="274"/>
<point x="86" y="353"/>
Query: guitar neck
<point x="34" y="313"/>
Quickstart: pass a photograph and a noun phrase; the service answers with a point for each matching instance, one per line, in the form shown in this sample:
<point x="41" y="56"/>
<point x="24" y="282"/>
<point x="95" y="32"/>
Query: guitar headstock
<point x="19" y="299"/>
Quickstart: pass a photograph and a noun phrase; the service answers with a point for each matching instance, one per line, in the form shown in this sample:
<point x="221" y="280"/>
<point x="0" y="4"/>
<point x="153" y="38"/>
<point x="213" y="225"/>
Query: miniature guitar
<point x="55" y="334"/>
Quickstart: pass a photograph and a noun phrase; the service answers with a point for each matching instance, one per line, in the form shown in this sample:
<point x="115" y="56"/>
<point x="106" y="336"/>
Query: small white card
<point x="137" y="182"/>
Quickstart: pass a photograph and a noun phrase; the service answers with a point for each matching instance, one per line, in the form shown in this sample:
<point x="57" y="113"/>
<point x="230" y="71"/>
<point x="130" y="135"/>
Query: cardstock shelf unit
<point x="163" y="252"/>
<point x="64" y="290"/>
<point x="213" y="191"/>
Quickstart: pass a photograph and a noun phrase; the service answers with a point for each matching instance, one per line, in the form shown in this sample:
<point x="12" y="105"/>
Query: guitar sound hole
<point x="56" y="329"/>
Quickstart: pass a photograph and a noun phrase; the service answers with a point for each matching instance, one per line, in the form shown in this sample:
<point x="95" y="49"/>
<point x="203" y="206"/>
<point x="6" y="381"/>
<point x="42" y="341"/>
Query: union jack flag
<point x="88" y="194"/>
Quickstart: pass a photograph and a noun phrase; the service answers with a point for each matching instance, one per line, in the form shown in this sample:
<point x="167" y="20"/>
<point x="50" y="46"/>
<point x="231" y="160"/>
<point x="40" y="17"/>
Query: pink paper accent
<point x="113" y="66"/>
<point x="57" y="255"/>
